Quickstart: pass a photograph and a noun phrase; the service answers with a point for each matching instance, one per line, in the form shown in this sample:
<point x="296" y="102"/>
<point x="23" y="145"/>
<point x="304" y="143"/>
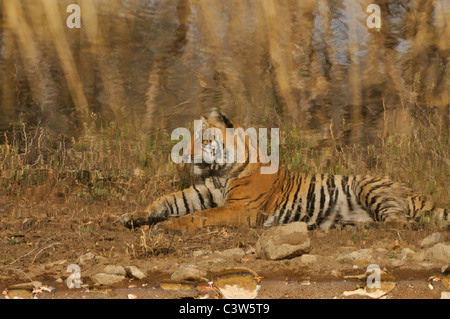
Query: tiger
<point x="228" y="193"/>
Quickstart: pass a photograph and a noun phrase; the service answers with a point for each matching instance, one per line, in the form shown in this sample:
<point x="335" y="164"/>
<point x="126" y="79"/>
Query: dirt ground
<point x="40" y="238"/>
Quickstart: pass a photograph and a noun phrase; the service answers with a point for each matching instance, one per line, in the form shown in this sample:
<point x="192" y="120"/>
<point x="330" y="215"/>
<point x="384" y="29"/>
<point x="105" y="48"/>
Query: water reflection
<point x="164" y="62"/>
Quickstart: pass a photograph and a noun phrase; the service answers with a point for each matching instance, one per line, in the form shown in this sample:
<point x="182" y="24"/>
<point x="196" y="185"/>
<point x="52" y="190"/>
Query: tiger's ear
<point x="215" y="114"/>
<point x="227" y="121"/>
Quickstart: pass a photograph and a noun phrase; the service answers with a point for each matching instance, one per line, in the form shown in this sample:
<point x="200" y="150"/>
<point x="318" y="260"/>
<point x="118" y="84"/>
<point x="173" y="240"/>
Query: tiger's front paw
<point x="137" y="219"/>
<point x="134" y="219"/>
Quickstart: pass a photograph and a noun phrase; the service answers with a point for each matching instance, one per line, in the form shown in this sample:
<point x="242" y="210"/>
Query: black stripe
<point x="363" y="186"/>
<point x="374" y="213"/>
<point x="379" y="211"/>
<point x="211" y="198"/>
<point x="423" y="204"/>
<point x="322" y="198"/>
<point x="299" y="184"/>
<point x="186" y="203"/>
<point x="170" y="207"/>
<point x="237" y="185"/>
<point x="346" y="190"/>
<point x="330" y="183"/>
<point x="237" y="198"/>
<point x="334" y="195"/>
<point x="280" y="186"/>
<point x="285" y="177"/>
<point x="176" y="205"/>
<point x="298" y="212"/>
<point x="240" y="169"/>
<point x="345" y="179"/>
<point x="376" y="197"/>
<point x="332" y="204"/>
<point x="373" y="201"/>
<point x="375" y="188"/>
<point x="311" y="198"/>
<point x="320" y="217"/>
<point x="413" y="204"/>
<point x="288" y="193"/>
<point x="200" y="197"/>
<point x="257" y="198"/>
<point x="286" y="216"/>
<point x="263" y="205"/>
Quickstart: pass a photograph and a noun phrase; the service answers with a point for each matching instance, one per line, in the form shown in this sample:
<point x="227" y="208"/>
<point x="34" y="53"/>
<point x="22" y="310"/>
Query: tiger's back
<point x="326" y="201"/>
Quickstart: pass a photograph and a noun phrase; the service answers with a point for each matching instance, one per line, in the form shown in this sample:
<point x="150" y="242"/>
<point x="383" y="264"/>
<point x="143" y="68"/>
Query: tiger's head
<point x="209" y="153"/>
<point x="219" y="148"/>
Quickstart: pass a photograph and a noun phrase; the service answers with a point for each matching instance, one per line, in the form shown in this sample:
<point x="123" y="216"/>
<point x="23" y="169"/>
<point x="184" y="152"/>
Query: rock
<point x="308" y="259"/>
<point x="284" y="241"/>
<point x="336" y="273"/>
<point x="188" y="272"/>
<point x="382" y="250"/>
<point x="85" y="259"/>
<point x="211" y="261"/>
<point x="101" y="259"/>
<point x="445" y="277"/>
<point x="232" y="252"/>
<point x="425" y="265"/>
<point x="397" y="263"/>
<point x="135" y="272"/>
<point x="250" y="251"/>
<point x="375" y="292"/>
<point x="115" y="270"/>
<point x="445" y="295"/>
<point x="355" y="256"/>
<point x="55" y="264"/>
<point x="18" y="293"/>
<point x="431" y="240"/>
<point x="237" y="283"/>
<point x="106" y="279"/>
<point x="167" y="284"/>
<point x="198" y="253"/>
<point x="406" y="253"/>
<point x="419" y="256"/>
<point x="438" y="252"/>
<point x="30" y="285"/>
<point x="395" y="245"/>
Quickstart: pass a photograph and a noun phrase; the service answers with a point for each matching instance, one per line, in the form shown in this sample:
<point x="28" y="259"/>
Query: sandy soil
<point x="39" y="239"/>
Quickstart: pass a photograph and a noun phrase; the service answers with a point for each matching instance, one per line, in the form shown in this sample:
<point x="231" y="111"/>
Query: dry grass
<point x="111" y="163"/>
<point x="119" y="162"/>
<point x="415" y="153"/>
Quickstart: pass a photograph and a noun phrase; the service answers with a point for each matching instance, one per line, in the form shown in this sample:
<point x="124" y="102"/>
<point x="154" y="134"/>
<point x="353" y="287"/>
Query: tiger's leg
<point x="220" y="216"/>
<point x="189" y="200"/>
